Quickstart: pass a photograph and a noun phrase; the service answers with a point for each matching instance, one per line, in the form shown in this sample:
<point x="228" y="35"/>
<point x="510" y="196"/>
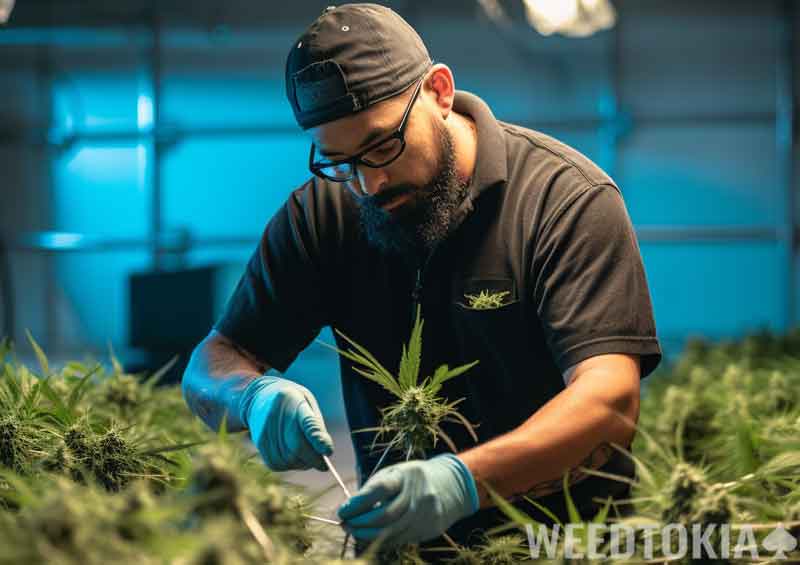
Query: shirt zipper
<point x="416" y="294"/>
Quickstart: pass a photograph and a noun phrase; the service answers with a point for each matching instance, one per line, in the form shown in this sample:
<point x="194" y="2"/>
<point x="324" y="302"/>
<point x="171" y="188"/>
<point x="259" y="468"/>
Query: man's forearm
<point x="214" y="379"/>
<point x="571" y="430"/>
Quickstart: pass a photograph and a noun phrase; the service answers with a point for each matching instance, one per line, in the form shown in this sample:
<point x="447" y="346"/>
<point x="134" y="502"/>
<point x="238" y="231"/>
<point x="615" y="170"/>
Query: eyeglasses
<point x="377" y="155"/>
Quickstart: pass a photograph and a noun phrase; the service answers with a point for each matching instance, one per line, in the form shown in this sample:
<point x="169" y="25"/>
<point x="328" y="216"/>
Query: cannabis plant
<point x="486" y="300"/>
<point x="494" y="550"/>
<point x="502" y="549"/>
<point x="413" y="423"/>
<point x="225" y="480"/>
<point x="100" y="466"/>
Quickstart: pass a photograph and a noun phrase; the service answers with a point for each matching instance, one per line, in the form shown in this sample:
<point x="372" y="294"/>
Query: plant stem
<point x="257" y="531"/>
<point x="451" y="541"/>
<point x="321" y="519"/>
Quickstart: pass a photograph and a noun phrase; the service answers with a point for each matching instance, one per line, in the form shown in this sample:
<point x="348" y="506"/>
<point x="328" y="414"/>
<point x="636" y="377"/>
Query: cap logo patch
<point x="319" y="84"/>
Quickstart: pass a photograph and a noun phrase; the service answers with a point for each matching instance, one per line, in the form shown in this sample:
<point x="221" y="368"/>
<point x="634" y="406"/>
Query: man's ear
<point x="441" y="88"/>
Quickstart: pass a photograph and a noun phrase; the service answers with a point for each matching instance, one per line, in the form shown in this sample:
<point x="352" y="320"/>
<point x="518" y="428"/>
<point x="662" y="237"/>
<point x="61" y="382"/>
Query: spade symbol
<point x="779" y="542"/>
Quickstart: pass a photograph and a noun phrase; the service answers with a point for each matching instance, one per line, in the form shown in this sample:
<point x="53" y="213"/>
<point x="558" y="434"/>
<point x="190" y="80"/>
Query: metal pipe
<point x="53" y="241"/>
<point x="251" y="39"/>
<point x="6" y="294"/>
<point x="157" y="148"/>
<point x="172" y="134"/>
<point x="45" y="79"/>
<point x="708" y="234"/>
<point x="615" y="121"/>
<point x="785" y="146"/>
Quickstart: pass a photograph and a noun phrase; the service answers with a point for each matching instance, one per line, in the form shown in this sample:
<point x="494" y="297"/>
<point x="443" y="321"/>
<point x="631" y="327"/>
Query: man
<point x="420" y="196"/>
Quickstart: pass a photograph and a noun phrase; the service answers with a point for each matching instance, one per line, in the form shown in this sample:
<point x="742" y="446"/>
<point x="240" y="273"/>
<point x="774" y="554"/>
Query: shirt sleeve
<point x="590" y="288"/>
<point x="278" y="305"/>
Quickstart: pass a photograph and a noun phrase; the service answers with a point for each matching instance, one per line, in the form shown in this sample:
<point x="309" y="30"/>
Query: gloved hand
<point x="411" y="502"/>
<point x="285" y="424"/>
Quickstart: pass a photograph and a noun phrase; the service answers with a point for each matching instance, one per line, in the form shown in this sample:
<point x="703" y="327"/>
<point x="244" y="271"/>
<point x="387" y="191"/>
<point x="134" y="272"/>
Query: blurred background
<point x="144" y="145"/>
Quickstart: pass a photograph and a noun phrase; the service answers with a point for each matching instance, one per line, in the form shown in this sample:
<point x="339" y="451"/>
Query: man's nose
<point x="371" y="181"/>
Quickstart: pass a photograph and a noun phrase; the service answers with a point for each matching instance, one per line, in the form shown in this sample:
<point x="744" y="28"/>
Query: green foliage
<point x="717" y="442"/>
<point x="413" y="423"/>
<point x="98" y="465"/>
<point x="503" y="550"/>
<point x="486" y="300"/>
<point x="42" y="358"/>
<point x="102" y="466"/>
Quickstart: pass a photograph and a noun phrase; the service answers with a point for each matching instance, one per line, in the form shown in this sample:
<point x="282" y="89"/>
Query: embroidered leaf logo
<point x="486" y="300"/>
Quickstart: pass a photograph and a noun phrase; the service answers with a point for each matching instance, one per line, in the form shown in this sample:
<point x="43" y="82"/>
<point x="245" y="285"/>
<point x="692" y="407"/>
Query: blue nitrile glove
<point x="285" y="424"/>
<point x="411" y="502"/>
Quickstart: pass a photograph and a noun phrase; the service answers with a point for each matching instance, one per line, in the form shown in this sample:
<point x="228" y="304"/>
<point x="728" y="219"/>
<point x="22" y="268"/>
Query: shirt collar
<point x="490" y="163"/>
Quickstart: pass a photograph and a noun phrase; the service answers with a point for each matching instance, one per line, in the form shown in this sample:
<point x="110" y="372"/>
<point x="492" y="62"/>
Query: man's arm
<point x="600" y="406"/>
<point x="417" y="500"/>
<point x="283" y="418"/>
<point x="217" y="373"/>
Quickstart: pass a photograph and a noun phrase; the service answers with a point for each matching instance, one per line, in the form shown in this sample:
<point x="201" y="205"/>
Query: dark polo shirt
<point x="541" y="222"/>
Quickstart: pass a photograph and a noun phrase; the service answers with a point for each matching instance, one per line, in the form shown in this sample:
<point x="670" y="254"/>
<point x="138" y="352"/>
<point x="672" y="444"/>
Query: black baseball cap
<point x="349" y="58"/>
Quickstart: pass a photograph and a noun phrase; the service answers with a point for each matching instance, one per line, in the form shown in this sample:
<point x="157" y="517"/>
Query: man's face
<point x="409" y="203"/>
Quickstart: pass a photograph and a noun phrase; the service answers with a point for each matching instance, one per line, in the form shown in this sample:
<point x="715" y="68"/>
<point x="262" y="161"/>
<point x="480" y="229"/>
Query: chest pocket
<point x="515" y="375"/>
<point x="489" y="325"/>
<point x="490" y="321"/>
<point x="486" y="294"/>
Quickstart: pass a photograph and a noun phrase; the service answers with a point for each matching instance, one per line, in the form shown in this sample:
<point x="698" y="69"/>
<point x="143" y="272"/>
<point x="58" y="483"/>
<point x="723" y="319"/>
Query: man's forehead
<point x="350" y="133"/>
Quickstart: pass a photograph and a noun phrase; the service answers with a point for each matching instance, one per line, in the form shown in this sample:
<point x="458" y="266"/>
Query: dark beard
<point x="420" y="223"/>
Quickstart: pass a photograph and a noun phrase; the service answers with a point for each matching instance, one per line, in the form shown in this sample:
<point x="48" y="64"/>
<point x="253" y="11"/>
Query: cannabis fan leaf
<point x="414" y="421"/>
